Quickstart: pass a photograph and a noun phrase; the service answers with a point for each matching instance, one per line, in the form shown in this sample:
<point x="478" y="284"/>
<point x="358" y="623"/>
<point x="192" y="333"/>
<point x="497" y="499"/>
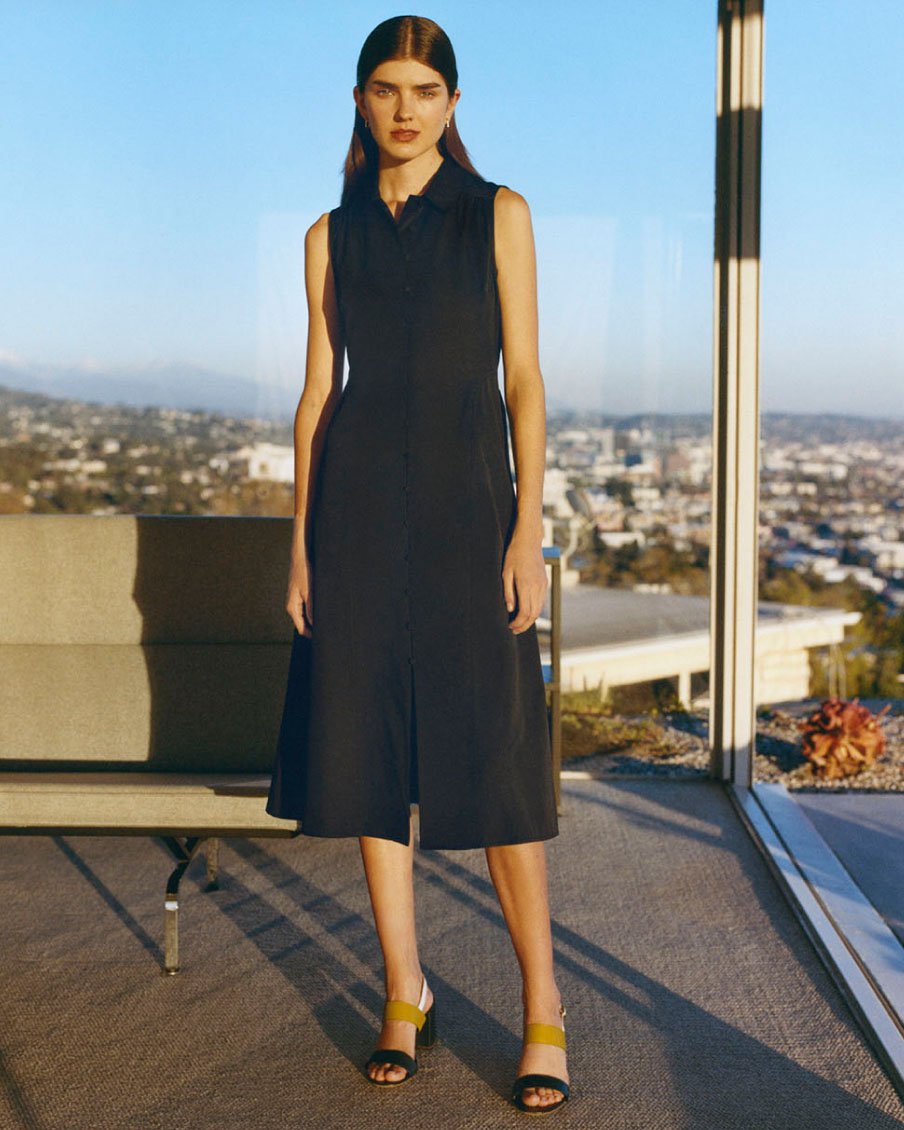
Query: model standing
<point x="417" y="574"/>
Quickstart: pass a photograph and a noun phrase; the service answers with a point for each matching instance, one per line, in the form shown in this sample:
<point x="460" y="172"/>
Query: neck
<point x="399" y="180"/>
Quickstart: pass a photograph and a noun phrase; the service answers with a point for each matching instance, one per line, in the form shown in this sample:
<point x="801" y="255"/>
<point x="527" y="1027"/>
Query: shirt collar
<point x="441" y="189"/>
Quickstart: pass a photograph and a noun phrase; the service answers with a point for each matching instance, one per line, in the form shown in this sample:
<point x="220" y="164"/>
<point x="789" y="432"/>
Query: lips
<point x="404" y="134"/>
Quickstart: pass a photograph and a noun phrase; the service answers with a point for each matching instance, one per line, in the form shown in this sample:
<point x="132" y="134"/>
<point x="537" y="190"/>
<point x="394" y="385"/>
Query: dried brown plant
<point x="841" y="738"/>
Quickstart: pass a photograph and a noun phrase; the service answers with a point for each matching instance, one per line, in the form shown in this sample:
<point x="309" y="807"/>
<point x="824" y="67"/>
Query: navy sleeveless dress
<point x="412" y="687"/>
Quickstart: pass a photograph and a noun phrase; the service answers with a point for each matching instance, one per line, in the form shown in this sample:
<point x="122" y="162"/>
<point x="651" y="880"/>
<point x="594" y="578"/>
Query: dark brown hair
<point x="401" y="37"/>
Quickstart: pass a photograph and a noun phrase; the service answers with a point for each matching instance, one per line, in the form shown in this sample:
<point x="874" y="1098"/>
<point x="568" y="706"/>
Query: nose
<point x="403" y="110"/>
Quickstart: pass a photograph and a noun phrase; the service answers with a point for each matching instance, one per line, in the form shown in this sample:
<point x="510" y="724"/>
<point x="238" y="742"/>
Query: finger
<point x="293" y="608"/>
<point x="309" y="607"/>
<point x="517" y="601"/>
<point x="522" y="621"/>
<point x="528" y="611"/>
<point x="508" y="588"/>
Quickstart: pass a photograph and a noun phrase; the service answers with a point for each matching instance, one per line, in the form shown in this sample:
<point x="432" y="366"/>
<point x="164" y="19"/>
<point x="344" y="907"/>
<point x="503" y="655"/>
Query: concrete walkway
<point x="695" y="1000"/>
<point x="866" y="832"/>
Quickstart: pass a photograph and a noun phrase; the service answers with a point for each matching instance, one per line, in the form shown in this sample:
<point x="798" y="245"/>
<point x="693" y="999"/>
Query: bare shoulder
<point x="512" y="220"/>
<point x="513" y="236"/>
<point x="510" y="207"/>
<point x="316" y="235"/>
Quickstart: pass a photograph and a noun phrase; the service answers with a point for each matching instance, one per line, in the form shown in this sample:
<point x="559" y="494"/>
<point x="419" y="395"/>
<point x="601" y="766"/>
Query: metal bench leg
<point x="212" y="855"/>
<point x="185" y="853"/>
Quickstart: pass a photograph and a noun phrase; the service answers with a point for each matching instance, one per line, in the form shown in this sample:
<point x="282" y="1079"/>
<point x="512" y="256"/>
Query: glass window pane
<point x="831" y="548"/>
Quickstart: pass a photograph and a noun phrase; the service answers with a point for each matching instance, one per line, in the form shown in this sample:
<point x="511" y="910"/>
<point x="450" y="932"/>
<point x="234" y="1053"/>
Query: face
<point x="406" y="105"/>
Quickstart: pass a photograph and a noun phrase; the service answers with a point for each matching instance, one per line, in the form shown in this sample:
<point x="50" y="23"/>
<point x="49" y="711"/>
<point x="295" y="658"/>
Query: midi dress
<point x="411" y="687"/>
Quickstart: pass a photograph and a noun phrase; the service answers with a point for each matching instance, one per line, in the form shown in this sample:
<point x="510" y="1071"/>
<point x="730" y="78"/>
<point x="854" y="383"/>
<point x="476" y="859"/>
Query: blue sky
<point x="163" y="159"/>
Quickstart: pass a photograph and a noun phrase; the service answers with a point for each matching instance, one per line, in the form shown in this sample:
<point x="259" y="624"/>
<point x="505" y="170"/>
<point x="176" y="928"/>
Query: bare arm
<point x="524" y="574"/>
<point x="322" y="387"/>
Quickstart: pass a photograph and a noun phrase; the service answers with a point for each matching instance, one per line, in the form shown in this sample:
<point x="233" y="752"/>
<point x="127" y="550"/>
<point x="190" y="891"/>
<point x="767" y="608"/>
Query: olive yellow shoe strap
<point x="402" y="1010"/>
<point x="544" y="1034"/>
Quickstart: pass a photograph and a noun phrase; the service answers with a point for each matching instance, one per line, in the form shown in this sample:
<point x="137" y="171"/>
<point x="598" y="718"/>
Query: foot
<point x="399" y="1034"/>
<point x="543" y="1058"/>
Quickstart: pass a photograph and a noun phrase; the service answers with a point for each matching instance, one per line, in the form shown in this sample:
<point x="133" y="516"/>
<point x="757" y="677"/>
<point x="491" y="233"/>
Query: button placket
<point x="407" y="290"/>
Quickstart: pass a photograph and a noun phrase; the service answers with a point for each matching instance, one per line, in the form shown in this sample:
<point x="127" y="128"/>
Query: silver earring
<point x="447" y="123"/>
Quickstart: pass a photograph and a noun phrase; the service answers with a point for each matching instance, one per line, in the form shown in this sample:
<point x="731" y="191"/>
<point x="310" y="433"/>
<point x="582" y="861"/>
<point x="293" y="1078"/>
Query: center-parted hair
<point x="401" y="37"/>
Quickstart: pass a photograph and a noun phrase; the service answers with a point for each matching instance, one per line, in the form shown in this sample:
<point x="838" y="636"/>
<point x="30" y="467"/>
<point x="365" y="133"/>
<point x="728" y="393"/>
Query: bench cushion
<point x="143" y="638"/>
<point x="188" y="707"/>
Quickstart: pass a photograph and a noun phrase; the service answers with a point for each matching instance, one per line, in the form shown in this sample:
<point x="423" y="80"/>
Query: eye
<point x="429" y="93"/>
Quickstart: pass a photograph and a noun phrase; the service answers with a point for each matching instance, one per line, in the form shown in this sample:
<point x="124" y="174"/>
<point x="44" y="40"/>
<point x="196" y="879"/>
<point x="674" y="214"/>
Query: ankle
<point x="541" y="1000"/>
<point x="404" y="985"/>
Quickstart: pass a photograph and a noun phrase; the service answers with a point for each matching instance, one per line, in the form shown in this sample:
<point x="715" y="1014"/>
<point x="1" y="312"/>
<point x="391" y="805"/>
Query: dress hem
<point x="539" y="837"/>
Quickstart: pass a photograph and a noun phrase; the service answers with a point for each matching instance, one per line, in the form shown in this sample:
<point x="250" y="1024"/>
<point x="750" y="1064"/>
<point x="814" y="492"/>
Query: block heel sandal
<point x="425" y="1022"/>
<point x="541" y="1034"/>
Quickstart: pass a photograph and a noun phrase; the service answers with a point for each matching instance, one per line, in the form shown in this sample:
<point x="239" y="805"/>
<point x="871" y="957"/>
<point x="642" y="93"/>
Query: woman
<point x="423" y="573"/>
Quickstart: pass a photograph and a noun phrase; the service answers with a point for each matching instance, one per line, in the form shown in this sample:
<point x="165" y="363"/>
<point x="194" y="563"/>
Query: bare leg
<point x="388" y="868"/>
<point x="518" y="872"/>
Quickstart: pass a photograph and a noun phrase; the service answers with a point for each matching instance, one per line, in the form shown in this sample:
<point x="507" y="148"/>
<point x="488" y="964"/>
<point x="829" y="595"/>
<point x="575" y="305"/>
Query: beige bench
<point x="142" y="667"/>
<point x="143" y="664"/>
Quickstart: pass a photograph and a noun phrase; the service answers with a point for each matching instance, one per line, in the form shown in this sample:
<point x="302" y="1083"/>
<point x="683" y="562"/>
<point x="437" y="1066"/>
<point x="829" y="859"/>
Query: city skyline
<point x="165" y="163"/>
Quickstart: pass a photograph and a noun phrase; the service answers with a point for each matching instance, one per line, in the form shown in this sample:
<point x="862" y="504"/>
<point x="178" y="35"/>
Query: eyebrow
<point x="418" y="86"/>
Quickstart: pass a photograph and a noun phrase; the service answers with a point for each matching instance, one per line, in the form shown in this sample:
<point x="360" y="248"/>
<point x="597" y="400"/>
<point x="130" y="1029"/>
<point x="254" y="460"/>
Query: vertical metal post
<point x="212" y="855"/>
<point x="555" y="657"/>
<point x="185" y="853"/>
<point x="553" y="558"/>
<point x="735" y="487"/>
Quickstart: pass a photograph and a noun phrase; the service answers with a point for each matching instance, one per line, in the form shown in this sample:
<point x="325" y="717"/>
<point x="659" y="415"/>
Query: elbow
<point x="525" y="384"/>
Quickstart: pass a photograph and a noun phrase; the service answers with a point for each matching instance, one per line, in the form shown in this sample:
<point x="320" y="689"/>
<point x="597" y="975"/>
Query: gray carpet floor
<point x="694" y="998"/>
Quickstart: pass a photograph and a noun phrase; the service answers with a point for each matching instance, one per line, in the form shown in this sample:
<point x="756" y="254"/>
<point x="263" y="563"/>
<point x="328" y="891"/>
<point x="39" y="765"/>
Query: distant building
<point x="272" y="461"/>
<point x="889" y="554"/>
<point x="556" y="484"/>
<point x="617" y="538"/>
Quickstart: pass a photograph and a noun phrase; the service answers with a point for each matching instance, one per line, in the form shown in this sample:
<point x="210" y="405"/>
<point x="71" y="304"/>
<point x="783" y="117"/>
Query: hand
<point x="299" y="597"/>
<point x="524" y="579"/>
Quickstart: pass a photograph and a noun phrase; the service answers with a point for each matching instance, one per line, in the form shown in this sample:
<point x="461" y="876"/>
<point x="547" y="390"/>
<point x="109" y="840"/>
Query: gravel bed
<point x="674" y="747"/>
